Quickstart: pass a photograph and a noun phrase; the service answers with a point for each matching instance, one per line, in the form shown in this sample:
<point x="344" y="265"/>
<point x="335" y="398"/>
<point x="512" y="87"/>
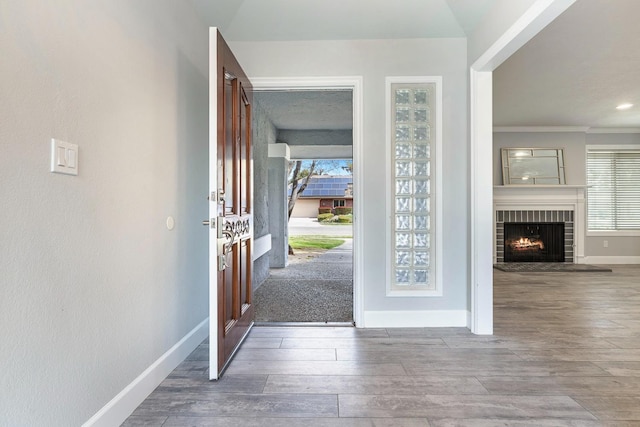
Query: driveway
<point x="311" y="226"/>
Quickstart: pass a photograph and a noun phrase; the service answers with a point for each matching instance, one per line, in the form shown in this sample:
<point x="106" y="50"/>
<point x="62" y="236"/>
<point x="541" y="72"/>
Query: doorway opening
<point x="316" y="286"/>
<point x="319" y="123"/>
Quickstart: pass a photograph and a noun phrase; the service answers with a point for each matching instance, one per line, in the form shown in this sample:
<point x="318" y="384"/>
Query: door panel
<point x="232" y="310"/>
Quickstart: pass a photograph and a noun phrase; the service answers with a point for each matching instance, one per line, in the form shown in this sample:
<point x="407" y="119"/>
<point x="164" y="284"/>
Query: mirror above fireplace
<point x="532" y="166"/>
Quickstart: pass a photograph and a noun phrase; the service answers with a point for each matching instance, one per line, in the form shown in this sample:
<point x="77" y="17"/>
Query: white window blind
<point x="613" y="200"/>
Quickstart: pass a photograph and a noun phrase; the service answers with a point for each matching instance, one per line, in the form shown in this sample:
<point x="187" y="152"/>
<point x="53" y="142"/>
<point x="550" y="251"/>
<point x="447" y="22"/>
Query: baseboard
<point x="120" y="407"/>
<point x="612" y="260"/>
<point x="416" y="319"/>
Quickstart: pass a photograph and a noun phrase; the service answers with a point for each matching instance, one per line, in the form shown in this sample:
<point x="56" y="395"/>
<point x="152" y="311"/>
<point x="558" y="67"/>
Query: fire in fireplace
<point x="534" y="242"/>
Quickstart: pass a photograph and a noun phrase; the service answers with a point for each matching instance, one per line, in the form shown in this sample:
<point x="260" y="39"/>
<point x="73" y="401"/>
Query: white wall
<point x="93" y="286"/>
<point x="374" y="59"/>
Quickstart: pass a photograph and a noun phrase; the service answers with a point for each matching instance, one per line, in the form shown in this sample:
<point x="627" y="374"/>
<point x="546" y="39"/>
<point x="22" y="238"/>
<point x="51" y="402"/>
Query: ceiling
<point x="300" y="110"/>
<point x="277" y="20"/>
<point x="573" y="73"/>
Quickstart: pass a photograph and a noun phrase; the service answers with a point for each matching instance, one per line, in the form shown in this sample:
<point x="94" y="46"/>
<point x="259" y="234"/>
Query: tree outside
<point x="301" y="171"/>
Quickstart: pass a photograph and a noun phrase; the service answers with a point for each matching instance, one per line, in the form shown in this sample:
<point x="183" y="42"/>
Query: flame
<point x="526" y="243"/>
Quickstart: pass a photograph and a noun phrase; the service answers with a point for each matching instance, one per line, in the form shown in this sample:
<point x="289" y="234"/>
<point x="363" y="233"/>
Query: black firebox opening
<point x="529" y="242"/>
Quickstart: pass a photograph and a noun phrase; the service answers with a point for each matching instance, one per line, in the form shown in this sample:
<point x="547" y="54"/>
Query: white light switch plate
<point x="64" y="157"/>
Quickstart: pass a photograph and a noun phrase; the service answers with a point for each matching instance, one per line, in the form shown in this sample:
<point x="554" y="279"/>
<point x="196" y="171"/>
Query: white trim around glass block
<point x="419" y="168"/>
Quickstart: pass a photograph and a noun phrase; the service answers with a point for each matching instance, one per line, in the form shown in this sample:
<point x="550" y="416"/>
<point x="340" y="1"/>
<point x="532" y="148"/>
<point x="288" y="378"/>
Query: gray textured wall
<point x="316" y="137"/>
<point x="279" y="255"/>
<point x="264" y="133"/>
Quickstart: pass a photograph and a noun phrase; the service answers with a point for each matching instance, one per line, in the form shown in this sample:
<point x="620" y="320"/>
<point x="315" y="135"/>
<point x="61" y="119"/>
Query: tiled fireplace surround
<point x="539" y="204"/>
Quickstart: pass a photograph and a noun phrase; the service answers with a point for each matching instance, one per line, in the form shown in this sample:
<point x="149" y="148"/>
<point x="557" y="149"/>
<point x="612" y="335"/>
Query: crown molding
<point x="561" y="129"/>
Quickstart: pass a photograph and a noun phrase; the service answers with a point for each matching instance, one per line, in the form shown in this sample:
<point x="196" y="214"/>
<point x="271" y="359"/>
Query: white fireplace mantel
<point x="545" y="197"/>
<point x="553" y="193"/>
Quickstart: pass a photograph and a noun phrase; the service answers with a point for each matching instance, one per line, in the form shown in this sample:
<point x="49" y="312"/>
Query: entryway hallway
<point x="566" y="352"/>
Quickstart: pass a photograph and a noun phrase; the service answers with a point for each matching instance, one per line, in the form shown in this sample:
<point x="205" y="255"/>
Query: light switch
<point x="61" y="152"/>
<point x="64" y="157"/>
<point x="71" y="158"/>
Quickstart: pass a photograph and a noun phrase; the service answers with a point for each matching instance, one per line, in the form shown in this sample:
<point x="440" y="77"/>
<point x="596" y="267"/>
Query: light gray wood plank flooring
<point x="566" y="352"/>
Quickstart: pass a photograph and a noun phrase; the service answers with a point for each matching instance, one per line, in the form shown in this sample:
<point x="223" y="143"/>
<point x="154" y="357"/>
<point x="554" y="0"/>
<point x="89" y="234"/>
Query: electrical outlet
<point x="605" y="243"/>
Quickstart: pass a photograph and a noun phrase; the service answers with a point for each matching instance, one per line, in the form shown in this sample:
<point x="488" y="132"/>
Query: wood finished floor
<point x="566" y="352"/>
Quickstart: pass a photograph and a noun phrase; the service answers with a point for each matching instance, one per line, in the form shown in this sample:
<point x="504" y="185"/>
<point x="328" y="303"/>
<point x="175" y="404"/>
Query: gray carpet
<point x="525" y="267"/>
<point x="310" y="289"/>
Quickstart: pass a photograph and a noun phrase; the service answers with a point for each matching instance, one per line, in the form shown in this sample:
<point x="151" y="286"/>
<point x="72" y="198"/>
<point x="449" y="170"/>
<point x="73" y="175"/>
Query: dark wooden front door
<point x="233" y="207"/>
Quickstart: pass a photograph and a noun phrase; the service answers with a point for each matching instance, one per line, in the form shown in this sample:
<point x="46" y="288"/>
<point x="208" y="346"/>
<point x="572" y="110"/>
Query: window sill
<point x="613" y="233"/>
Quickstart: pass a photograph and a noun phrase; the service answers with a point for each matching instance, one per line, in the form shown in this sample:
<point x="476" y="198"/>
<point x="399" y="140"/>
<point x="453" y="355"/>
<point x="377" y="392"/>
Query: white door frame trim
<point x="481" y="195"/>
<point x="213" y="185"/>
<point x="355" y="84"/>
<point x="538" y="16"/>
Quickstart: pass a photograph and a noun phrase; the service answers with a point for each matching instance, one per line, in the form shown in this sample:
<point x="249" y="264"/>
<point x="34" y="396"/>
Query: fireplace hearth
<point x="534" y="242"/>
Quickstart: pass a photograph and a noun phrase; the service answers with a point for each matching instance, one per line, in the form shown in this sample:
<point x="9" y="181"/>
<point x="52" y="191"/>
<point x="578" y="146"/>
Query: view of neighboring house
<point x="324" y="194"/>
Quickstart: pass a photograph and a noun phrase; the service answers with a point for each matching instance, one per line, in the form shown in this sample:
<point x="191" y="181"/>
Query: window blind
<point x="613" y="200"/>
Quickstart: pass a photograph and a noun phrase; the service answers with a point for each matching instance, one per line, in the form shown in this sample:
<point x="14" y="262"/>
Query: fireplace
<point x="535" y="220"/>
<point x="534" y="242"/>
<point x="535" y="204"/>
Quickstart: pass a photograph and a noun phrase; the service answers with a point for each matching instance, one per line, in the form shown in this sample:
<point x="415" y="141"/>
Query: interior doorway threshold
<point x="314" y="324"/>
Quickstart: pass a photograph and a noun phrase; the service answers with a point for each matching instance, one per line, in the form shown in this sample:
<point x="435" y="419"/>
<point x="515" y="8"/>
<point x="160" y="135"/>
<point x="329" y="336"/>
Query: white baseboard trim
<point x="417" y="319"/>
<point x="612" y="259"/>
<point x="120" y="407"/>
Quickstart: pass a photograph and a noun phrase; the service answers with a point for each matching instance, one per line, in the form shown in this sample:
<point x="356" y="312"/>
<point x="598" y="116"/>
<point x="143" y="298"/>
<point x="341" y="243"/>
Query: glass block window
<point x="412" y="123"/>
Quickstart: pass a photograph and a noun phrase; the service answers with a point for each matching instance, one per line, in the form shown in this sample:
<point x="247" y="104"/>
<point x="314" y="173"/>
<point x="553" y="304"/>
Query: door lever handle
<point x="230" y="236"/>
<point x="226" y="248"/>
<point x="206" y="222"/>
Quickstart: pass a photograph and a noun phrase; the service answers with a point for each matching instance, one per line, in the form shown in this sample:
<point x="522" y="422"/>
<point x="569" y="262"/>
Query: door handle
<point x="206" y="222"/>
<point x="230" y="236"/>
